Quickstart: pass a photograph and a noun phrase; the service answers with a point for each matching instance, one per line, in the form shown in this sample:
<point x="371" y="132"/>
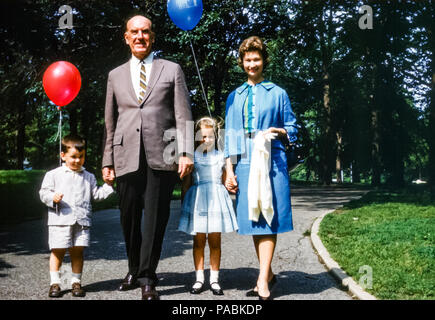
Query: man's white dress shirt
<point x="135" y="66"/>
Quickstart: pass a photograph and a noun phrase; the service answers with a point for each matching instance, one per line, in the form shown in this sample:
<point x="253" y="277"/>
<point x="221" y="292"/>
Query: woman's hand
<point x="280" y="131"/>
<point x="231" y="183"/>
<point x="230" y="177"/>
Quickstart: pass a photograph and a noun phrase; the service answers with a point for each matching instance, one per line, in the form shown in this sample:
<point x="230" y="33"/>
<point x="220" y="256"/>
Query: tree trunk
<point x="21" y="133"/>
<point x="431" y="136"/>
<point x="326" y="148"/>
<point x="355" y="173"/>
<point x="431" y="131"/>
<point x="376" y="163"/>
<point x="338" y="161"/>
<point x="375" y="127"/>
<point x="327" y="157"/>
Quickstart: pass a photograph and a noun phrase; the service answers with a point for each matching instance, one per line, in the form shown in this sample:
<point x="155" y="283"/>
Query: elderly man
<point x="146" y="97"/>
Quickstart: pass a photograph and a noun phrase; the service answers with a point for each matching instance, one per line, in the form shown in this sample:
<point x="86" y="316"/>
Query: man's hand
<point x="108" y="175"/>
<point x="185" y="166"/>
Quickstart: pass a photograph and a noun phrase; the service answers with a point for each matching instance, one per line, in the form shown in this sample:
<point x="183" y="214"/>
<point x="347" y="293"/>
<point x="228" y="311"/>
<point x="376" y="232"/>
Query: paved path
<point x="24" y="258"/>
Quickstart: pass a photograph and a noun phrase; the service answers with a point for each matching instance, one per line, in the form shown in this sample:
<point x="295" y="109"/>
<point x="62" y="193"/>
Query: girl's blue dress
<point x="207" y="206"/>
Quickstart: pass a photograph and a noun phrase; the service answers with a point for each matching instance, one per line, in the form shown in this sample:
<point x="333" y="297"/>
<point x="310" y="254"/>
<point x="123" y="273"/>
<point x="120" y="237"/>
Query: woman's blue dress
<point x="272" y="110"/>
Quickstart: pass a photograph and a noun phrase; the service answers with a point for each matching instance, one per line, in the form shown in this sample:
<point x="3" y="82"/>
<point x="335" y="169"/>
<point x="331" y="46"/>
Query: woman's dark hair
<point x="253" y="43"/>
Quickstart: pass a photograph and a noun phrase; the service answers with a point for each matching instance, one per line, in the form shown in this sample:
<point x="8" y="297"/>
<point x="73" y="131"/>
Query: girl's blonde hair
<point x="208" y="122"/>
<point x="211" y="123"/>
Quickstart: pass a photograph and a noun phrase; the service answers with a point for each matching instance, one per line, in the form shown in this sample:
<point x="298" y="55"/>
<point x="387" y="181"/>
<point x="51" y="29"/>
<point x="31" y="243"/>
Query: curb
<point x="354" y="288"/>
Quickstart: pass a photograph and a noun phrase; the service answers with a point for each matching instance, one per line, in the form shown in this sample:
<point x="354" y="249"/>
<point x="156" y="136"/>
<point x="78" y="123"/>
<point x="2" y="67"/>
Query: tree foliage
<point x="364" y="98"/>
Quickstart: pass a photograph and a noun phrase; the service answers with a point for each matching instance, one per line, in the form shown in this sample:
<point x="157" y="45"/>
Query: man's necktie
<point x="143" y="79"/>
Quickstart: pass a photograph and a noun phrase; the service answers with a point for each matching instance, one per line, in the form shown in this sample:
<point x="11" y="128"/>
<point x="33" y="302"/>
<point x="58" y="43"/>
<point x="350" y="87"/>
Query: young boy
<point x="67" y="191"/>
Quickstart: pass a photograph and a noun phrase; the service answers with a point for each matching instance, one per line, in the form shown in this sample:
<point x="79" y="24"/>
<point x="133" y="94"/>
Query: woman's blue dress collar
<point x="265" y="83"/>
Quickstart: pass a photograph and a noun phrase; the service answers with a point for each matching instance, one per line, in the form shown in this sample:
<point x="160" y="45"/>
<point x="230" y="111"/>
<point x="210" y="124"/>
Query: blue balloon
<point x="185" y="13"/>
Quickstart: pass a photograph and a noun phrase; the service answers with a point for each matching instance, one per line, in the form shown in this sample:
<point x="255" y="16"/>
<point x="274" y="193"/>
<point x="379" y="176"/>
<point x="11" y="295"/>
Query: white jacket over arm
<point x="259" y="186"/>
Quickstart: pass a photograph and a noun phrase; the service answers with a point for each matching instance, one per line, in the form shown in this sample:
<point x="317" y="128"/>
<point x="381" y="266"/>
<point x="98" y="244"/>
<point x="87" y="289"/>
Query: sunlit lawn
<point x="393" y="233"/>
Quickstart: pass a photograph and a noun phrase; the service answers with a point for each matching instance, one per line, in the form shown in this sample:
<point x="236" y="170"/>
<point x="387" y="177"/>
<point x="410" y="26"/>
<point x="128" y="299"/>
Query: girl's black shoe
<point x="195" y="289"/>
<point x="216" y="292"/>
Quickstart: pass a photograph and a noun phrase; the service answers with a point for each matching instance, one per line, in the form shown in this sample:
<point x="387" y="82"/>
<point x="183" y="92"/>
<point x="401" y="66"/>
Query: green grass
<point x="391" y="232"/>
<point x="19" y="195"/>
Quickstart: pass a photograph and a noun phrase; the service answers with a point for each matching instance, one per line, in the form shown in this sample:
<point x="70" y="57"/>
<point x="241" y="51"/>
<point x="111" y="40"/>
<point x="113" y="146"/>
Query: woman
<point x="259" y="105"/>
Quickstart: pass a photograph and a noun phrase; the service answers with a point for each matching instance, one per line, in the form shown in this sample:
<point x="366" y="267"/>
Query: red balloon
<point x="61" y="82"/>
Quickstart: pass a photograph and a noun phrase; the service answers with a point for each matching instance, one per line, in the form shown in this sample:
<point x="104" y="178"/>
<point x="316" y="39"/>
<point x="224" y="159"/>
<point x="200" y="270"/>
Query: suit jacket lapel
<point x="155" y="75"/>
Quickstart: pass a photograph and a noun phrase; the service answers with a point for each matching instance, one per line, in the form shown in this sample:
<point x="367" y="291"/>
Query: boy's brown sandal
<point x="54" y="291"/>
<point x="77" y="290"/>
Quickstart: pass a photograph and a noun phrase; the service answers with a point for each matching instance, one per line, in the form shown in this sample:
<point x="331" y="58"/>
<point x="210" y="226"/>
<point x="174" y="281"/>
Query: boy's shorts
<point x="63" y="237"/>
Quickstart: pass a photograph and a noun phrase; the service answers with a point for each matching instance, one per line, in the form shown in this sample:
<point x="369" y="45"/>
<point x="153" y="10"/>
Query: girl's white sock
<point x="199" y="278"/>
<point x="214" y="279"/>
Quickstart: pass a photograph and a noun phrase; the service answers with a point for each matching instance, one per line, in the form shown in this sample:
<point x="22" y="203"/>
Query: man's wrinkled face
<point x="139" y="36"/>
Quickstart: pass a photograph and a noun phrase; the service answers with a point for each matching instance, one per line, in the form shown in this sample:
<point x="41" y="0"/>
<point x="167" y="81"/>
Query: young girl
<point x="207" y="207"/>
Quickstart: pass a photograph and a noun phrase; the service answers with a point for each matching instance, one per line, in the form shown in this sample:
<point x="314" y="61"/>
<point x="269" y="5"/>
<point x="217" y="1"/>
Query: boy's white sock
<point x="214" y="279"/>
<point x="76" y="277"/>
<point x="54" y="277"/>
<point x="199" y="278"/>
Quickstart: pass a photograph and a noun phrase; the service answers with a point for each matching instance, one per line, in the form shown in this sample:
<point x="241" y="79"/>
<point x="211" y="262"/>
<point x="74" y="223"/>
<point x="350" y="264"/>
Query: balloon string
<point x="59" y="135"/>
<point x="200" y="80"/>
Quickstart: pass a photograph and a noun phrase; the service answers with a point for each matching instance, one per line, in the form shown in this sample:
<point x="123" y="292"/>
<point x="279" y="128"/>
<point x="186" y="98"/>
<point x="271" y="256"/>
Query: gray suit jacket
<point x="166" y="106"/>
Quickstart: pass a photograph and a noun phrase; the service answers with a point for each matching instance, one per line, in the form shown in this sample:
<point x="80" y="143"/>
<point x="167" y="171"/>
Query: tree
<point x="355" y="92"/>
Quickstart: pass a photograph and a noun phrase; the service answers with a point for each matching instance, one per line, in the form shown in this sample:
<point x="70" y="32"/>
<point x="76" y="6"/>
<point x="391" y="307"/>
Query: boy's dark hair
<point x="73" y="141"/>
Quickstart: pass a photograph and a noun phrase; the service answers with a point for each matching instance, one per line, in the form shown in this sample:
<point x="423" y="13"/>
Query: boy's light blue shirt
<point x="273" y="109"/>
